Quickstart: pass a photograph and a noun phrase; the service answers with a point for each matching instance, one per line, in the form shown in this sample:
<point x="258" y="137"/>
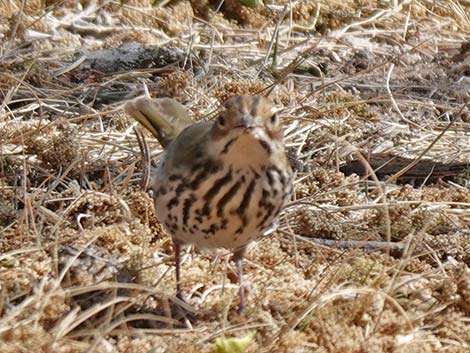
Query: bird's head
<point x="248" y="126"/>
<point x="247" y="114"/>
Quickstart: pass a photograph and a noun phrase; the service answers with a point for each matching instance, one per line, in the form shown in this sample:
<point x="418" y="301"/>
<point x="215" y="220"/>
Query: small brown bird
<point x="220" y="183"/>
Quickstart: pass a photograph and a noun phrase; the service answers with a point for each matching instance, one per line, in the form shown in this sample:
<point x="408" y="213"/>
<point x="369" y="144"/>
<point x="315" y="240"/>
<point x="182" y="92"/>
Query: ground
<point x="84" y="263"/>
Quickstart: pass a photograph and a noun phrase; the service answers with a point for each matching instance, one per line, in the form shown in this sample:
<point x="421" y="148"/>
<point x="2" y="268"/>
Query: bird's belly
<point x="229" y="209"/>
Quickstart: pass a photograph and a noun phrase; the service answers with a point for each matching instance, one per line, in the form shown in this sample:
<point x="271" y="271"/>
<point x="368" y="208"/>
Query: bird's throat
<point x="247" y="150"/>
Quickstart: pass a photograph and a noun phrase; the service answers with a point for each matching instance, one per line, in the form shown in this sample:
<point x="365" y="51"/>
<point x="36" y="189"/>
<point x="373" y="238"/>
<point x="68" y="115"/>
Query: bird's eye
<point x="221" y="121"/>
<point x="274" y="119"/>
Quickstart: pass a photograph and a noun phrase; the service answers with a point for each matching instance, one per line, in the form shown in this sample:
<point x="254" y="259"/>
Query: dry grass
<point x="85" y="266"/>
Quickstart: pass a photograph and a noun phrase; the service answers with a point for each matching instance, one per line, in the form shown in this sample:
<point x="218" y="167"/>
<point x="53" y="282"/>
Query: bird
<point x="220" y="183"/>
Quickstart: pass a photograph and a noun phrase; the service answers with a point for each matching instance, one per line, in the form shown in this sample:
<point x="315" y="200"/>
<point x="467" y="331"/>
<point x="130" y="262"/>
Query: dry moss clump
<point x="95" y="209"/>
<point x="57" y="147"/>
<point x="174" y="19"/>
<point x="320" y="224"/>
<point x="231" y="89"/>
<point x="142" y="207"/>
<point x="176" y="84"/>
<point x="33" y="338"/>
<point x="244" y="15"/>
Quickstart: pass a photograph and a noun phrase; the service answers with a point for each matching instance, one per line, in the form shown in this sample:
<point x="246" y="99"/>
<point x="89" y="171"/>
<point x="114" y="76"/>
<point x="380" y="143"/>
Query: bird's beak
<point x="247" y="122"/>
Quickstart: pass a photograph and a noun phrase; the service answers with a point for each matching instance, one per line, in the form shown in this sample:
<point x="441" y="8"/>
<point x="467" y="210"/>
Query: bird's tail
<point x="165" y="118"/>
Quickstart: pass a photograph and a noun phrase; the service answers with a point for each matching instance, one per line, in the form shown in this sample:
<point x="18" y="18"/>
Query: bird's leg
<point x="241" y="287"/>
<point x="238" y="258"/>
<point x="177" y="247"/>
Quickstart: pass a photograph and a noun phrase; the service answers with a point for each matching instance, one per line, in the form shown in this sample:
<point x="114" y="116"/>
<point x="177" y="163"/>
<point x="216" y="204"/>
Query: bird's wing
<point x="165" y="118"/>
<point x="190" y="148"/>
